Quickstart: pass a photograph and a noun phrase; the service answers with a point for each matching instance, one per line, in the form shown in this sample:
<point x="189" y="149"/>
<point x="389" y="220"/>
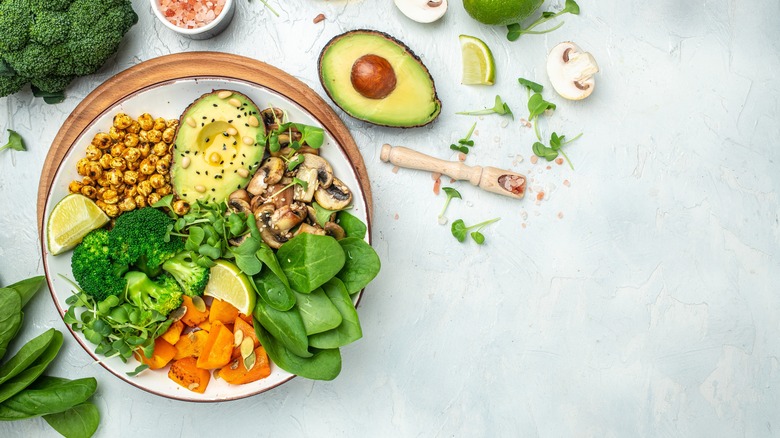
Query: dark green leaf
<point x="273" y="291"/>
<point x="361" y="264"/>
<point x="309" y="260"/>
<point x="26" y="377"/>
<point x="514" y="31"/>
<point x="48" y="395"/>
<point x="533" y="86"/>
<point x="321" y="365"/>
<point x="10" y="317"/>
<point x="28" y="288"/>
<point x="48" y="97"/>
<point x="542" y="151"/>
<point x="318" y="313"/>
<point x="80" y="421"/>
<point x="353" y="227"/>
<point x="267" y="256"/>
<point x="349" y="330"/>
<point x="26" y="355"/>
<point x="246" y="260"/>
<point x="451" y="193"/>
<point x="458" y="229"/>
<point x="285" y="326"/>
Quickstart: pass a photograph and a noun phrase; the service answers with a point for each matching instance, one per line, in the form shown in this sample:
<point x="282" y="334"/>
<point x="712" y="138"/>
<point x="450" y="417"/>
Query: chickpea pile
<point x="128" y="167"/>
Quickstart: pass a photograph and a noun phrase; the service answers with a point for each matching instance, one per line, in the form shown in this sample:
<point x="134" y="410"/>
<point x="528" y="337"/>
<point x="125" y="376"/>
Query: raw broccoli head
<point x="138" y="238"/>
<point x="50" y="42"/>
<point x="191" y="276"/>
<point x="162" y="295"/>
<point x="96" y="272"/>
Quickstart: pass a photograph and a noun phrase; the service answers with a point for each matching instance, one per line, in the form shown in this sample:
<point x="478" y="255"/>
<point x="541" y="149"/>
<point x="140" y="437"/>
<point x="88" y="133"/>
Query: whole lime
<point x="501" y="12"/>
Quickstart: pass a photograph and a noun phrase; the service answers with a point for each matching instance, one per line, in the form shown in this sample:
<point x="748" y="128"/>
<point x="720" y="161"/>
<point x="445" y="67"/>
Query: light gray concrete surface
<point x="639" y="297"/>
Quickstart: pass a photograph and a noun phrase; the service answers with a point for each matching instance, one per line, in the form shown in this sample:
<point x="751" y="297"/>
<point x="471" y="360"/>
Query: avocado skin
<point x="395" y="41"/>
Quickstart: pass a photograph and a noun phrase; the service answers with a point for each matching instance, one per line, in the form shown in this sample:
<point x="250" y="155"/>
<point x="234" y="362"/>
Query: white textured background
<point x="641" y="300"/>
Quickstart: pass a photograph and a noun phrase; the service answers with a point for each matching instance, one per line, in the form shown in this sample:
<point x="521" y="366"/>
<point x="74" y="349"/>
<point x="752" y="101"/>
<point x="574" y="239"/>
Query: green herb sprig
<point x="465" y="143"/>
<point x="15" y="142"/>
<point x="451" y="194"/>
<point x="459" y="230"/>
<point x="500" y="107"/>
<point x="516" y="30"/>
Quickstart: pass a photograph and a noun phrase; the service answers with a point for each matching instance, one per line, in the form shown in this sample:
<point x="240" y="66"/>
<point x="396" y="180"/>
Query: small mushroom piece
<point x="272" y="239"/>
<point x="316" y="171"/>
<point x="335" y="230"/>
<point x="336" y="197"/>
<point x="422" y="11"/>
<point x="239" y="206"/>
<point x="287" y="217"/>
<point x="270" y="172"/>
<point x="571" y="71"/>
<point x="310" y="229"/>
<point x="240" y="194"/>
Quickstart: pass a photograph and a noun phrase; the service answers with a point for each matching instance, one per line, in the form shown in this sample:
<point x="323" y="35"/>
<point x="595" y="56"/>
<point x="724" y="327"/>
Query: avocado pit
<point x="373" y="77"/>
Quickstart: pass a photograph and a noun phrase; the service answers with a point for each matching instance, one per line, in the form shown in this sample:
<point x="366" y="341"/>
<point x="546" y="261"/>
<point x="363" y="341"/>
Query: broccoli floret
<point x="191" y="276"/>
<point x="94" y="269"/>
<point x="138" y="238"/>
<point x="50" y="42"/>
<point x="162" y="295"/>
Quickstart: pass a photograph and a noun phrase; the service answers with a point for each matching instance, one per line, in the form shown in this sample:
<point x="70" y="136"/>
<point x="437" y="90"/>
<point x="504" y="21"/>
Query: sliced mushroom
<point x="422" y="11"/>
<point x="270" y="172"/>
<point x="335" y="230"/>
<point x="287" y="217"/>
<point x="239" y="206"/>
<point x="272" y="239"/>
<point x="316" y="171"/>
<point x="279" y="194"/>
<point x="263" y="213"/>
<point x="240" y="194"/>
<point x="571" y="71"/>
<point x="310" y="229"/>
<point x="271" y="116"/>
<point x="336" y="197"/>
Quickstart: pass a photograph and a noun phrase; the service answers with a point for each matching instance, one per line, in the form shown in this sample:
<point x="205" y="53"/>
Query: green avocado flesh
<point x="413" y="101"/>
<point x="219" y="145"/>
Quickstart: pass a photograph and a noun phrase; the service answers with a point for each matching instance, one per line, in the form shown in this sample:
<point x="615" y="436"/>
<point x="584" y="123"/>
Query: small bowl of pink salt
<point x="196" y="19"/>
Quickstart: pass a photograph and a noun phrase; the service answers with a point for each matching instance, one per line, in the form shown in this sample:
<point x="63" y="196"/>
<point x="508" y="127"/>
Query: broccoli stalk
<point x="191" y="276"/>
<point x="162" y="295"/>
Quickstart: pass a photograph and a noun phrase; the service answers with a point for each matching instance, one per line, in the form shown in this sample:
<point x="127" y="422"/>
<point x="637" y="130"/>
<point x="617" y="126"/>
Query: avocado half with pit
<point x="219" y="145"/>
<point x="376" y="78"/>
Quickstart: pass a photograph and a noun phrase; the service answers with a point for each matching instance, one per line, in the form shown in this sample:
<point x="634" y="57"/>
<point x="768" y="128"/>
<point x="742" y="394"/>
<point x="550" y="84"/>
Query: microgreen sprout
<point x="459" y="230"/>
<point x="295" y="181"/>
<point x="451" y="194"/>
<point x="514" y="31"/>
<point x="15" y="142"/>
<point x="265" y="2"/>
<point x="556" y="145"/>
<point x="295" y="162"/>
<point x="500" y="108"/>
<point x="466" y="142"/>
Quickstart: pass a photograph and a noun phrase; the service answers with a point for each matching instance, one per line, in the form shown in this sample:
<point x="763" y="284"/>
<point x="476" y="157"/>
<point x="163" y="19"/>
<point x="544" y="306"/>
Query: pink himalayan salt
<point x="191" y="14"/>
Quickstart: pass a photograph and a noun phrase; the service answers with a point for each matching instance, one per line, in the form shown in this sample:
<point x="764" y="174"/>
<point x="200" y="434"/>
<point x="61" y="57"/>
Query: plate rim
<point x="70" y="132"/>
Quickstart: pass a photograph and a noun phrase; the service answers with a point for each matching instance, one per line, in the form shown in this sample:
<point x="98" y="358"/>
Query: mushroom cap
<point x="422" y="11"/>
<point x="571" y="71"/>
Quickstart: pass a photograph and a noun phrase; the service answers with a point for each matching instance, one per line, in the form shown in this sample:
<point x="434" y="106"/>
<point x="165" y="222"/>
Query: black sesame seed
<point x="214" y="104"/>
<point x="230" y="121"/>
<point x="202" y="124"/>
<point x="213" y="189"/>
<point x="204" y="118"/>
<point x="197" y="172"/>
<point x="207" y="173"/>
<point x="212" y="120"/>
<point x="207" y="139"/>
<point x="234" y="143"/>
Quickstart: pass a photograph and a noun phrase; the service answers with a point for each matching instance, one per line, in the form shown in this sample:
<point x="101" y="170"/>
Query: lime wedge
<point x="228" y="283"/>
<point x="478" y="65"/>
<point x="70" y="220"/>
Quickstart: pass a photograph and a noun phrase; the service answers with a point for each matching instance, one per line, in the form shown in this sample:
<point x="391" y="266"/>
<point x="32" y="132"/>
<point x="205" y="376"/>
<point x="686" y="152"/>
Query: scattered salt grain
<point x="395" y="169"/>
<point x="319" y="18"/>
<point x="191" y="14"/>
<point x="534" y="159"/>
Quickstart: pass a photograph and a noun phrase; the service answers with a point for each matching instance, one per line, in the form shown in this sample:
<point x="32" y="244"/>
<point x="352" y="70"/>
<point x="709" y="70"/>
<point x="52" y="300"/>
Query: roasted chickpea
<point x="144" y="188"/>
<point x="130" y="191"/>
<point x="118" y="163"/>
<point x="157" y="181"/>
<point x="168" y="135"/>
<point x="117" y="149"/>
<point x="94" y="170"/>
<point x="127" y="204"/>
<point x="147" y="167"/>
<point x="163" y="166"/>
<point x="81" y="166"/>
<point x="131" y="154"/>
<point x="133" y="165"/>
<point x="140" y="201"/>
<point x="181" y="207"/>
<point x="131" y="140"/>
<point x="130" y="177"/>
<point x="87" y="181"/>
<point x="101" y="191"/>
<point x="164" y="190"/>
<point x="101" y="140"/>
<point x="93" y="153"/>
<point x="160" y="149"/>
<point x="154" y="136"/>
<point x="159" y="124"/>
<point x="112" y="210"/>
<point x="122" y="121"/>
<point x="134" y="128"/>
<point x="172" y="123"/>
<point x="153" y="198"/>
<point x="103" y="181"/>
<point x="101" y="204"/>
<point x="116" y="134"/>
<point x="89" y="191"/>
<point x="146" y="121"/>
<point x="110" y="196"/>
<point x="105" y="161"/>
<point x="114" y="177"/>
<point x="143" y="136"/>
<point x="75" y="186"/>
<point x="145" y="149"/>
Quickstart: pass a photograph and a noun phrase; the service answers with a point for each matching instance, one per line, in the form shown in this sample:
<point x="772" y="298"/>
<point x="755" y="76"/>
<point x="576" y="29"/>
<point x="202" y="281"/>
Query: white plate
<point x="169" y="100"/>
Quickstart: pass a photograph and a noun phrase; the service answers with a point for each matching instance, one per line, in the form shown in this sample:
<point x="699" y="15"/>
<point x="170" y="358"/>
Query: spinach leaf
<point x="246" y="260"/>
<point x="10" y="317"/>
<point x="273" y="291"/>
<point x="285" y="326"/>
<point x="27" y="288"/>
<point x="26" y="355"/>
<point x="361" y="266"/>
<point x="48" y="395"/>
<point x="266" y="255"/>
<point x="317" y="311"/>
<point x="28" y="376"/>
<point x="352" y="226"/>
<point x="308" y="261"/>
<point x="349" y="331"/>
<point x="322" y="214"/>
<point x="322" y="365"/>
<point x="80" y="421"/>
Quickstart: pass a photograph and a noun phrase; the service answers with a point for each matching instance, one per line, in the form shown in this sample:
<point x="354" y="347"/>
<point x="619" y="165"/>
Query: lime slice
<point x="228" y="283"/>
<point x="478" y="65"/>
<point x="70" y="220"/>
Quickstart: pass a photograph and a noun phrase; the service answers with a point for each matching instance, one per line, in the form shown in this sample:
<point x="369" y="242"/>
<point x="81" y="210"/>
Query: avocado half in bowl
<point x="376" y="78"/>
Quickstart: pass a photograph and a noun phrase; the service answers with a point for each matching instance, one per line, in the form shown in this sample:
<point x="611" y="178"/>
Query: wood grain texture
<point x="187" y="65"/>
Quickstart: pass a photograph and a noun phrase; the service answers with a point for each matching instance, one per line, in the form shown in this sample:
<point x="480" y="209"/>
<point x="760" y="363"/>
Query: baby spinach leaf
<point x="80" y="421"/>
<point x="28" y="376"/>
<point x="246" y="260"/>
<point x="267" y="256"/>
<point x="10" y="317"/>
<point x="285" y="326"/>
<point x="26" y="355"/>
<point x="27" y="288"/>
<point x="361" y="264"/>
<point x="321" y="365"/>
<point x="273" y="291"/>
<point x="308" y="261"/>
<point x="349" y="331"/>
<point x="48" y="395"/>
<point x="317" y="311"/>
<point x="353" y="227"/>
